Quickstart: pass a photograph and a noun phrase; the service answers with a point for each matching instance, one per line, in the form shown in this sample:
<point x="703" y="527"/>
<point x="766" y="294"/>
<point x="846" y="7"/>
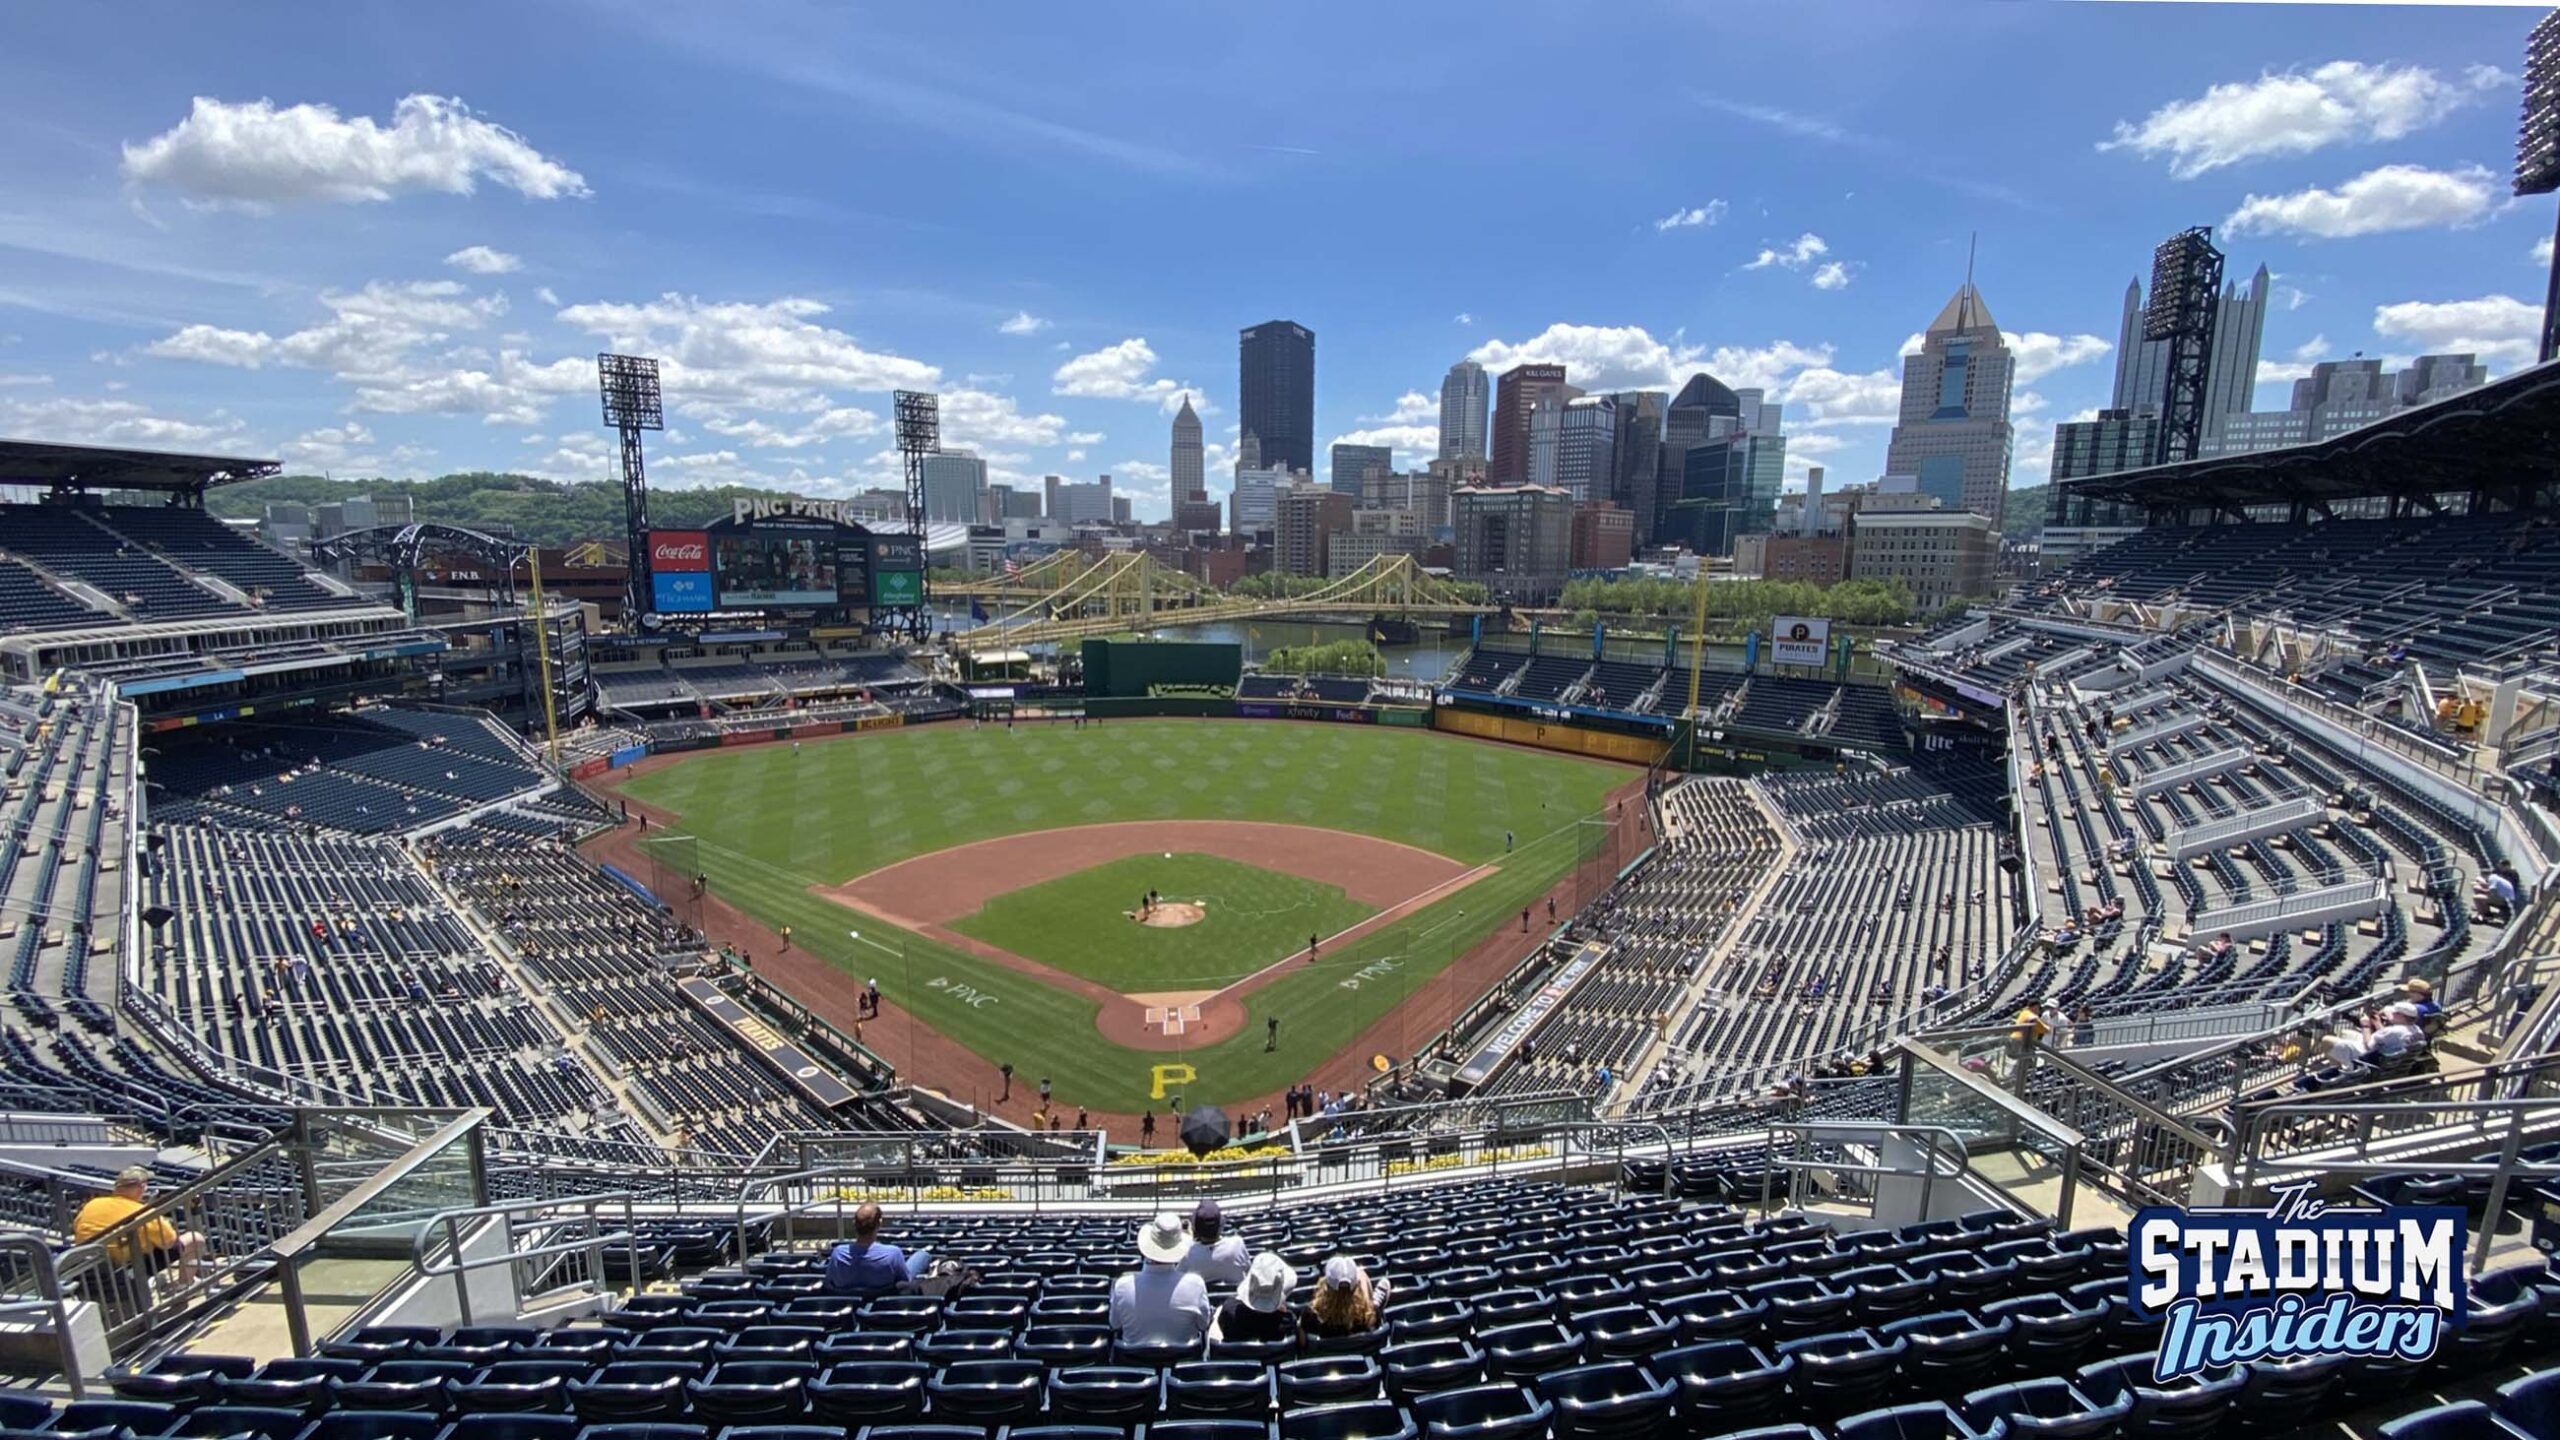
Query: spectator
<point x="1346" y="1301"/>
<point x="2420" y="996"/>
<point x="2399" y="1035"/>
<point x="155" y="1244"/>
<point x="1260" y="1309"/>
<point x="867" y="1266"/>
<point x="1215" y="1258"/>
<point x="1160" y="1303"/>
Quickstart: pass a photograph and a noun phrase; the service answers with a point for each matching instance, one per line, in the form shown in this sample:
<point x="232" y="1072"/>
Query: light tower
<point x="919" y="435"/>
<point x="2186" y="290"/>
<point x="2538" y="150"/>
<point x="632" y="404"/>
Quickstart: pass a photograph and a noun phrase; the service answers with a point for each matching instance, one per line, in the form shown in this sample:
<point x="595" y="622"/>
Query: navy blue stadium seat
<point x="373" y="1425"/>
<point x="1611" y="1400"/>
<point x="1926" y="1420"/>
<point x="1725" y="1383"/>
<point x="1357" y="1420"/>
<point x="1482" y="1412"/>
<point x="1217" y="1388"/>
<point x="2047" y="1408"/>
<point x="2461" y="1420"/>
<point x="1103" y="1395"/>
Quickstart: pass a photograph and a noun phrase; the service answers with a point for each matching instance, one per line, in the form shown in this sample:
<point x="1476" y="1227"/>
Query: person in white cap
<point x="2399" y="1033"/>
<point x="1160" y="1303"/>
<point x="1346" y="1300"/>
<point x="1217" y="1259"/>
<point x="1260" y="1308"/>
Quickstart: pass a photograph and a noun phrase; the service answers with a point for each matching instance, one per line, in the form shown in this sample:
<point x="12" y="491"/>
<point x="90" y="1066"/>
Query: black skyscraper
<point x="1276" y="391"/>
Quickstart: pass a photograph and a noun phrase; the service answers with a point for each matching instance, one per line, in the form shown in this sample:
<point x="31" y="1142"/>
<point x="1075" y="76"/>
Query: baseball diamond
<point x="994" y="882"/>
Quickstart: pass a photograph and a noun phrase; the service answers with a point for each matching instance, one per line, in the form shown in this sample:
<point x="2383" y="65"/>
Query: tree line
<point x="1736" y="605"/>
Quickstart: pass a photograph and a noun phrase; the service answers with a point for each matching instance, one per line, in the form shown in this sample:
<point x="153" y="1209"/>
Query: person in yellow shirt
<point x="155" y="1243"/>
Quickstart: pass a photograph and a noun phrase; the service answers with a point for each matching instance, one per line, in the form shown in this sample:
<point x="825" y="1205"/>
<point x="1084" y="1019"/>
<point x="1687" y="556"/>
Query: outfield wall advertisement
<point x="1799" y="640"/>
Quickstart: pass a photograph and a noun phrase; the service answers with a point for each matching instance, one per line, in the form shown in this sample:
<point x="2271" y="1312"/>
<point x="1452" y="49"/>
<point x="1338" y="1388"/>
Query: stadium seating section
<point x="1513" y="1310"/>
<point x="66" y="567"/>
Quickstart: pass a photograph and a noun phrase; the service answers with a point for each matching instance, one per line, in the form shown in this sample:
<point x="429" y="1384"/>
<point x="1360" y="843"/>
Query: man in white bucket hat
<point x="1160" y="1303"/>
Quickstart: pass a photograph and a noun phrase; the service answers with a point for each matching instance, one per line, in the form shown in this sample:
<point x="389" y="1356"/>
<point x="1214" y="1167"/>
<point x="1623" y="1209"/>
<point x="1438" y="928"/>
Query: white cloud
<point x="2542" y="253"/>
<point x="332" y="447"/>
<point x="2305" y="355"/>
<point x="1695" y="215"/>
<point x="1119" y="372"/>
<point x="481" y="260"/>
<point x="840" y="423"/>
<point x="2394" y="197"/>
<point x="1138" y="470"/>
<point x="2025" y="403"/>
<point x="1820" y="395"/>
<point x="1597" y="357"/>
<point x="2497" y="328"/>
<point x="11" y="382"/>
<point x="2037" y="354"/>
<point x="1807" y="248"/>
<point x="2292" y="297"/>
<point x="255" y="156"/>
<point x="112" y="422"/>
<point x="371" y="333"/>
<point x="1833" y="275"/>
<point x="2294" y="113"/>
<point x="772" y="355"/>
<point x="1411" y="428"/>
<point x="1463" y="318"/>
<point x="983" y="418"/>
<point x="543" y="294"/>
<point x="1022" y="323"/>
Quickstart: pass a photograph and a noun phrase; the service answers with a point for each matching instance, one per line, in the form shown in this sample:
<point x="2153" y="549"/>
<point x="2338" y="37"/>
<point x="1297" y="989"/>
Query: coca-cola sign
<point x="679" y="550"/>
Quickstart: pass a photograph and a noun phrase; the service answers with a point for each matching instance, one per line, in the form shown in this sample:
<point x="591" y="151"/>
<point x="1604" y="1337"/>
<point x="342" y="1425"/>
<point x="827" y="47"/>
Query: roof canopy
<point x="99" y="467"/>
<point x="2503" y="436"/>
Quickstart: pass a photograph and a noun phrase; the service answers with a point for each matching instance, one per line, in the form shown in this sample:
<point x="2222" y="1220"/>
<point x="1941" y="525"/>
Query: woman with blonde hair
<point x="1346" y="1300"/>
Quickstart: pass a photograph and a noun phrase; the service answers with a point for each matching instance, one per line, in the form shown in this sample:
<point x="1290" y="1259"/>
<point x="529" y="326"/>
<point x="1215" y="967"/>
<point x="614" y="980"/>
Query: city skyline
<point x="404" y="266"/>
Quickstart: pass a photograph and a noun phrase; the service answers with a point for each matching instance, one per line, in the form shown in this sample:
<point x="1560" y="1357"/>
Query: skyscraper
<point x="1703" y="409"/>
<point x="2231" y="372"/>
<point x="1192" y="509"/>
<point x="1189" y="483"/>
<point x="1955" y="433"/>
<point x="954" y="481"/>
<point x="1352" y="464"/>
<point x="1464" y="393"/>
<point x="1573" y="445"/>
<point x="1514" y="400"/>
<point x="1639" y="457"/>
<point x="1276" y="391"/>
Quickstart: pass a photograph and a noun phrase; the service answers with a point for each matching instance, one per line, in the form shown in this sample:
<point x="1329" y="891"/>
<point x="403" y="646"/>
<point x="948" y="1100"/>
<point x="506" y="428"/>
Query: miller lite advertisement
<point x="680" y="572"/>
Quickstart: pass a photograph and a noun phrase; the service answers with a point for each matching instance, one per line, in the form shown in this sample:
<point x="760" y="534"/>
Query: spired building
<point x="1193" y="510"/>
<point x="1464" y="396"/>
<point x="1276" y="391"/>
<point x="2231" y="370"/>
<point x="1954" y="436"/>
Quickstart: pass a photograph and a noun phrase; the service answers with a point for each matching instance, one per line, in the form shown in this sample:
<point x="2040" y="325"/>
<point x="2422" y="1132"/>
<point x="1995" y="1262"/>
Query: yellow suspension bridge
<point x="1131" y="591"/>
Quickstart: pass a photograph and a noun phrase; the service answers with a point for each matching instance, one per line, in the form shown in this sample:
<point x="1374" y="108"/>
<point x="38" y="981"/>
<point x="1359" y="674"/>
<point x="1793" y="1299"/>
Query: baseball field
<point x="1124" y="907"/>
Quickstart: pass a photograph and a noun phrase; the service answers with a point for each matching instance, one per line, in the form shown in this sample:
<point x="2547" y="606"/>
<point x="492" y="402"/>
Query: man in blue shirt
<point x="866" y="1265"/>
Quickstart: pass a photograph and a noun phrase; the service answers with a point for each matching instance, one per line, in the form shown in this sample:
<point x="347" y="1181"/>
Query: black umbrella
<point x="1205" y="1129"/>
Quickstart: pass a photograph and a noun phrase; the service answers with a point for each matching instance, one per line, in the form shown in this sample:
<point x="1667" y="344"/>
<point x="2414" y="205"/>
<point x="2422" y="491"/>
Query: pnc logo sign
<point x="679" y="550"/>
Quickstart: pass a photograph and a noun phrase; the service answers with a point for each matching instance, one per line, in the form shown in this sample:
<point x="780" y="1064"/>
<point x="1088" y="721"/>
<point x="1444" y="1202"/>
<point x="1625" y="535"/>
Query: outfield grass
<point x="1080" y="923"/>
<point x="773" y="822"/>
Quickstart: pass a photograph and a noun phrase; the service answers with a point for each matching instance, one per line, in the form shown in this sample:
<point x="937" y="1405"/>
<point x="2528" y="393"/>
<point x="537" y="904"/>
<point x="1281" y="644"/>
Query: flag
<point x="977" y="612"/>
<point x="1012" y="567"/>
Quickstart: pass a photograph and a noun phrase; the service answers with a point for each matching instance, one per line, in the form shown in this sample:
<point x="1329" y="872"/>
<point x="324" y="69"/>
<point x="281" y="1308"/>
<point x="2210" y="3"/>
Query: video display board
<point x="775" y="564"/>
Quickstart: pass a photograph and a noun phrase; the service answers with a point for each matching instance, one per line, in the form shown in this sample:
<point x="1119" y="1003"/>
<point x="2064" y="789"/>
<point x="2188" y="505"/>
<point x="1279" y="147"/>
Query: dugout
<point x="1127" y="668"/>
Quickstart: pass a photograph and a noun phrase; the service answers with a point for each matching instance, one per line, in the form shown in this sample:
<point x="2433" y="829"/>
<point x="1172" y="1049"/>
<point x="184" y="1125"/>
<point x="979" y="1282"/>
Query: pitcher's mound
<point x="1173" y="914"/>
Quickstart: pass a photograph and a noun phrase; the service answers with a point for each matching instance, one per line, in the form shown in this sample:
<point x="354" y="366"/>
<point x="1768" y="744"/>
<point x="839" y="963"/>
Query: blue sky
<point x="388" y="239"/>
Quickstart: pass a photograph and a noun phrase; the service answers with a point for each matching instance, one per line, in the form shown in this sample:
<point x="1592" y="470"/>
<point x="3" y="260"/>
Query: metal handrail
<point x="44" y="1276"/>
<point x="449" y="1224"/>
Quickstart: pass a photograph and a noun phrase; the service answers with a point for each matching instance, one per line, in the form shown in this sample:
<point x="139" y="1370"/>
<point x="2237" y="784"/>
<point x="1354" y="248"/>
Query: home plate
<point x="1173" y="1011"/>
